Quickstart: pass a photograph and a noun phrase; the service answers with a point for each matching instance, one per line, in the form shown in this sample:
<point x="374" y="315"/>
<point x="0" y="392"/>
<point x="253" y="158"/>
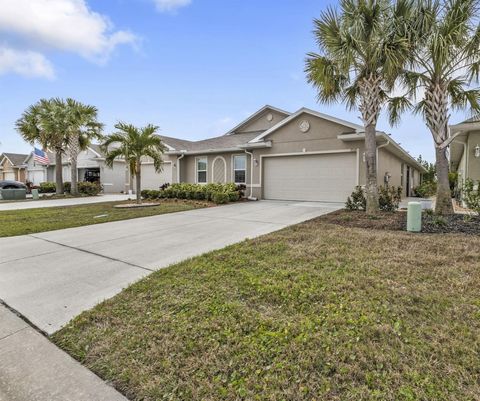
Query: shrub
<point x="67" y="186"/>
<point x="47" y="188"/>
<point x="471" y="194"/>
<point x="233" y="196"/>
<point x="150" y="194"/>
<point x="426" y="189"/>
<point x="357" y="200"/>
<point x="202" y="192"/>
<point x="389" y="198"/>
<point x="89" y="188"/>
<point x="220" y="198"/>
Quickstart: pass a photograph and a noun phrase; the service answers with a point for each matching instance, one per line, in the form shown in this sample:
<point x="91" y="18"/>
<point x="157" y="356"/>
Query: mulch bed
<point x="397" y="221"/>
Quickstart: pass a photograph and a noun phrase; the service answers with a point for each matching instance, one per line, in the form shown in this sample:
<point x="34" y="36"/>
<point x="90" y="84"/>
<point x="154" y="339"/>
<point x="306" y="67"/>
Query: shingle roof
<point x="18" y="159"/>
<point x="219" y="142"/>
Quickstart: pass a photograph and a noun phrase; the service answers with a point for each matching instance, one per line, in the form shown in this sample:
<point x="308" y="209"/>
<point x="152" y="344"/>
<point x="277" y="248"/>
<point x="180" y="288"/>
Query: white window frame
<point x="197" y="170"/>
<point x="233" y="169"/>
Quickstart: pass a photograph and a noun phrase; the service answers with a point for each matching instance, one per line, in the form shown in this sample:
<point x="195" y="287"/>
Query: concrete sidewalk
<point x="31" y="204"/>
<point x="33" y="369"/>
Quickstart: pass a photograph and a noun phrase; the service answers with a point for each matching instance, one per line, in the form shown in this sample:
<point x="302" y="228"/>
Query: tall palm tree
<point x="45" y="123"/>
<point x="362" y="49"/>
<point x="134" y="144"/>
<point x="445" y="61"/>
<point x="83" y="126"/>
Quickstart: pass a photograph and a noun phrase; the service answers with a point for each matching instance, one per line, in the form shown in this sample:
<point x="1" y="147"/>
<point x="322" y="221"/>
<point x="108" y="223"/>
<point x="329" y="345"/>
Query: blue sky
<point x="195" y="68"/>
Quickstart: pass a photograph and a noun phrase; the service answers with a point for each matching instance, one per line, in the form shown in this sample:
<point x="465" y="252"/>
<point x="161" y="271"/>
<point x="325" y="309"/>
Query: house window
<point x="239" y="169"/>
<point x="201" y="170"/>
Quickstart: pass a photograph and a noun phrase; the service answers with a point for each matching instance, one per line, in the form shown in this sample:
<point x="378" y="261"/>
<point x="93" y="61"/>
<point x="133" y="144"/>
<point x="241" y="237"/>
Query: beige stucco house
<point x="305" y="156"/>
<point x="13" y="167"/>
<point x="465" y="149"/>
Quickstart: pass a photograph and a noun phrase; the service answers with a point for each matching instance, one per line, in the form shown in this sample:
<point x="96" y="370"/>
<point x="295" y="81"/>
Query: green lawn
<point x="28" y="221"/>
<point x="312" y="312"/>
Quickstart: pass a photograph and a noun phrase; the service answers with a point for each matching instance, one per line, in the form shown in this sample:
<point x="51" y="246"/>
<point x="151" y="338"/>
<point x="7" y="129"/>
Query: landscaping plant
<point x="444" y="61"/>
<point x="389" y="199"/>
<point x="471" y="194"/>
<point x="133" y="145"/>
<point x="363" y="49"/>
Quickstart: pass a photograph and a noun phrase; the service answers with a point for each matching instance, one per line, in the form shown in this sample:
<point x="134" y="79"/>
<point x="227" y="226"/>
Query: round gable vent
<point x="269" y="117"/>
<point x="304" y="126"/>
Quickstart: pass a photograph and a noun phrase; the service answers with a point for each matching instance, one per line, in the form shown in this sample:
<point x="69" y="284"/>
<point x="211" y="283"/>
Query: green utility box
<point x="13" y="194"/>
<point x="35" y="195"/>
<point x="414" y="217"/>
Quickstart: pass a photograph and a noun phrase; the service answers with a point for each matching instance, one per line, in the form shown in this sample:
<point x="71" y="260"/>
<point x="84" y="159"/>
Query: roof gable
<point x="304" y="110"/>
<point x="263" y="111"/>
<point x="17" y="159"/>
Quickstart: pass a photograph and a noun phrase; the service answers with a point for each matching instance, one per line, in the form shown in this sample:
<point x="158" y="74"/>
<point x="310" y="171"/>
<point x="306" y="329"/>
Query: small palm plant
<point x="363" y="48"/>
<point x="134" y="144"/>
<point x="445" y="61"/>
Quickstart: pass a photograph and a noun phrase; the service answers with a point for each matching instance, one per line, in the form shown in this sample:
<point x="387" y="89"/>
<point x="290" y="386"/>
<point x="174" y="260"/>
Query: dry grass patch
<point x="312" y="312"/>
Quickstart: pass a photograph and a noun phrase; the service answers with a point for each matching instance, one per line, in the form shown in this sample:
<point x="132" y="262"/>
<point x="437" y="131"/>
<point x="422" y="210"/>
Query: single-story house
<point x="13" y="167"/>
<point x="88" y="167"/>
<point x="304" y="156"/>
<point x="465" y="149"/>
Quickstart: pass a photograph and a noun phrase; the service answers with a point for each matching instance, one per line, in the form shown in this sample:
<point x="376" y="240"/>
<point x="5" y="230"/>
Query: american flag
<point x="40" y="156"/>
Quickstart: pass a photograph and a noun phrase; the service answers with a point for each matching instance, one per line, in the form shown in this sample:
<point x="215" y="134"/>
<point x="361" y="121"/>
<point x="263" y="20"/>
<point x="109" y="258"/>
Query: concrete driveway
<point x="52" y="277"/>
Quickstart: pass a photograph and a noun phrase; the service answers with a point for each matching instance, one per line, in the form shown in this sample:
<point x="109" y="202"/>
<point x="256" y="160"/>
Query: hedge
<point x="218" y="193"/>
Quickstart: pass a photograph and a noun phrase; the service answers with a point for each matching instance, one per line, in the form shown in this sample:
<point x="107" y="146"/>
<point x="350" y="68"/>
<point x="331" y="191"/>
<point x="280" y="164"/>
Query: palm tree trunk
<point x="138" y="178"/>
<point x="74" y="174"/>
<point x="443" y="203"/>
<point x="58" y="172"/>
<point x="371" y="188"/>
<point x="74" y="150"/>
<point x="436" y="100"/>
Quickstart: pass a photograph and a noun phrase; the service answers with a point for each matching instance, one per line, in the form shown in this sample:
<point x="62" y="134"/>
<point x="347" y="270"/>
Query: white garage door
<point x="9" y="176"/>
<point x="153" y="180"/>
<point x="36" y="176"/>
<point x="325" y="177"/>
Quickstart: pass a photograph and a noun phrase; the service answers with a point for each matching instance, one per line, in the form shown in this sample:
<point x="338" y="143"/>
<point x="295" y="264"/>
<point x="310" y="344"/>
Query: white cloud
<point x="66" y="25"/>
<point x="171" y="5"/>
<point x="26" y="63"/>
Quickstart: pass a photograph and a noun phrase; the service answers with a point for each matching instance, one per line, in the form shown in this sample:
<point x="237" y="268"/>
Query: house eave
<point x="399" y="151"/>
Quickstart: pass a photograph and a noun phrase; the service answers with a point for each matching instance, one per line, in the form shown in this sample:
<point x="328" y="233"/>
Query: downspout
<point x="380" y="147"/>
<point x="178" y="164"/>
<point x="251" y="175"/>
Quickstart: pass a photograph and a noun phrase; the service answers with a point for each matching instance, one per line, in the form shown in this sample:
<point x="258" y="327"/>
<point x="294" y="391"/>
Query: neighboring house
<point x="13" y="167"/>
<point x="305" y="156"/>
<point x="88" y="167"/>
<point x="465" y="150"/>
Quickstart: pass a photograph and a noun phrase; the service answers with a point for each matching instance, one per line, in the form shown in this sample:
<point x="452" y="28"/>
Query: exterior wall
<point x="473" y="169"/>
<point x="321" y="138"/>
<point x="113" y="179"/>
<point x="8" y="171"/>
<point x="188" y="166"/>
<point x="261" y="123"/>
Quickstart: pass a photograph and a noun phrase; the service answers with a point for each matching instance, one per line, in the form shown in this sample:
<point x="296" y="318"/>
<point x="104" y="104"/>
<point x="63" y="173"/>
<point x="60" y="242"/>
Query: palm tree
<point x="133" y="144"/>
<point x="445" y="61"/>
<point x="363" y="48"/>
<point x="45" y="123"/>
<point x="83" y="126"/>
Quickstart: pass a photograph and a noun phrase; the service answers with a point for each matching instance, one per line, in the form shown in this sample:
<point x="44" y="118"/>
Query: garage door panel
<point x="153" y="180"/>
<point x="326" y="177"/>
